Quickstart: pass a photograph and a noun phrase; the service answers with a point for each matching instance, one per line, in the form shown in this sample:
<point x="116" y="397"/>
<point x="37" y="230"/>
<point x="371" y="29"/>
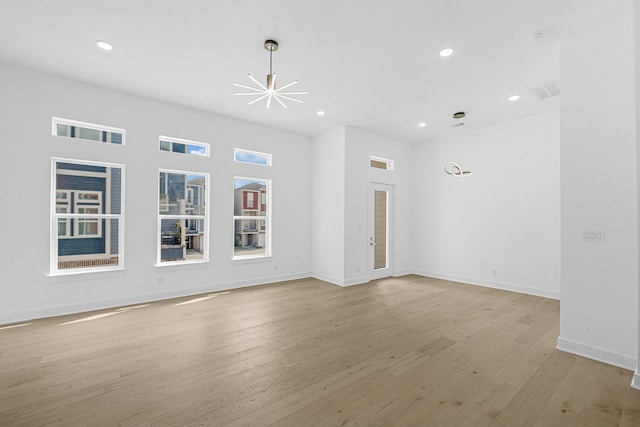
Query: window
<point x="253" y="157"/>
<point x="252" y="218"/>
<point x="88" y="131"/>
<point x="380" y="163"/>
<point x="182" y="217"/>
<point x="87" y="216"/>
<point x="183" y="146"/>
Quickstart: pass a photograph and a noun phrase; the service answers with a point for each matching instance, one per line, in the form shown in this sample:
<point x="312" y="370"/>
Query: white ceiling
<point x="372" y="64"/>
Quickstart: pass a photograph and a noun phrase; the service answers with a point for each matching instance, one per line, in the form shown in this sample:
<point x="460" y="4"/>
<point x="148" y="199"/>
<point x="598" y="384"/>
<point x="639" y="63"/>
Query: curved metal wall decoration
<point x="452" y="168"/>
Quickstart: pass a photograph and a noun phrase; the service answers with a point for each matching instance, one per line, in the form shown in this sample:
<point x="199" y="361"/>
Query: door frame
<point x="380" y="273"/>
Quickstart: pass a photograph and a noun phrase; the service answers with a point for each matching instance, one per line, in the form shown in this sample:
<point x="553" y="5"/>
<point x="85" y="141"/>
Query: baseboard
<point x="403" y="273"/>
<point x="340" y="282"/>
<point x="599" y="354"/>
<point x="24" y="316"/>
<point x="356" y="281"/>
<point x="328" y="279"/>
<point x="490" y="284"/>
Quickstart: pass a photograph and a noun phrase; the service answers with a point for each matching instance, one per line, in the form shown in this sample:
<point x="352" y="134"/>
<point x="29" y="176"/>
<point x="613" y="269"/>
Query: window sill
<point x="250" y="258"/>
<point x="176" y="263"/>
<point x="73" y="272"/>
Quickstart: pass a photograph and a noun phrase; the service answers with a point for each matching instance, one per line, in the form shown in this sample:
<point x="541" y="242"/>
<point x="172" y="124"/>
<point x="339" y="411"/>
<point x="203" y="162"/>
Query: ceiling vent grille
<point x="546" y="90"/>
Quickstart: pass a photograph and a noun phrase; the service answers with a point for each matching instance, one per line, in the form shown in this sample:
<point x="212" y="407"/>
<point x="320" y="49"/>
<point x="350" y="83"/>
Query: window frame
<point x="171" y="140"/>
<point x="55" y="217"/>
<point x="263" y="221"/>
<point x="185" y="218"/>
<point x="92" y="126"/>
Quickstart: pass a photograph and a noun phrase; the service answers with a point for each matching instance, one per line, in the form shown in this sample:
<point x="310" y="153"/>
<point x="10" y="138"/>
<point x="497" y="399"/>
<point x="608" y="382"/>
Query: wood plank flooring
<point x="401" y="351"/>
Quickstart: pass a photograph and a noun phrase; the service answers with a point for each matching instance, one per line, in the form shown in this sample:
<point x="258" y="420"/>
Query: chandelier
<point x="453" y="168"/>
<point x="269" y="91"/>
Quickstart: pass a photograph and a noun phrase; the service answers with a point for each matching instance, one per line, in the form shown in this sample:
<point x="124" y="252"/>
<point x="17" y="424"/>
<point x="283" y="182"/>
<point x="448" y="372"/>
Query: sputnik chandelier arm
<point x="269" y="91"/>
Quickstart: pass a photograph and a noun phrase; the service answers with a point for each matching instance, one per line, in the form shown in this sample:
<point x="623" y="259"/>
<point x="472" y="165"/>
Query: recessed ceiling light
<point x="320" y="113"/>
<point x="446" y="52"/>
<point x="104" y="45"/>
<point x="514" y="97"/>
<point x="422" y="124"/>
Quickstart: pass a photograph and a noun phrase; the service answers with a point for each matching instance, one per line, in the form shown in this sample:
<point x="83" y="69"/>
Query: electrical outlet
<point x="597" y="236"/>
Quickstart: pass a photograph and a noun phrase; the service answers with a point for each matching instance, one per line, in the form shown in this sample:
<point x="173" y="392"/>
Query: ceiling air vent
<point x="546" y="90"/>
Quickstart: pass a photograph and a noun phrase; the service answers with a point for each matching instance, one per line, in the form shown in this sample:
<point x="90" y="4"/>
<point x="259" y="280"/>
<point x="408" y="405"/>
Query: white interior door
<point x="380" y="230"/>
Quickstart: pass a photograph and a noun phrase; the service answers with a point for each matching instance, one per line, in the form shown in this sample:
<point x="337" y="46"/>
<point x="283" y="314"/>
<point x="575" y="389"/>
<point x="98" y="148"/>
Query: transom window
<point x="380" y="163"/>
<point x="183" y="146"/>
<point x="252" y="157"/>
<point x="87" y="131"/>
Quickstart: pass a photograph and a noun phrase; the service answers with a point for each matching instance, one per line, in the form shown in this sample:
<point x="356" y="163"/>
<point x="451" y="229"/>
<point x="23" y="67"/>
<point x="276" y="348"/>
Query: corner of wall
<point x="635" y="381"/>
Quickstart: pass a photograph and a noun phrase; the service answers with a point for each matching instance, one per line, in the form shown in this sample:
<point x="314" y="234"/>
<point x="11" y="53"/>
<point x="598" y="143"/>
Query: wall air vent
<point x="546" y="90"/>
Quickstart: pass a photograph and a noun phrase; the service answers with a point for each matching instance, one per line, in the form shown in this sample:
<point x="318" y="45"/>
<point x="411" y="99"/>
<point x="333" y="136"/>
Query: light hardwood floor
<point x="400" y="351"/>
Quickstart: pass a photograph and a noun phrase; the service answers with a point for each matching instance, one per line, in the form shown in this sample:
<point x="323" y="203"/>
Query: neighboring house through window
<point x="182" y="217"/>
<point x="87" y="232"/>
<point x="252" y="218"/>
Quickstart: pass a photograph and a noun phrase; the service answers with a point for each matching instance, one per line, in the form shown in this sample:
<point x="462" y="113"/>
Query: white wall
<point x="360" y="146"/>
<point x="27" y="102"/>
<point x="328" y="206"/>
<point x="341" y="172"/>
<point x="598" y="316"/>
<point x="499" y="227"/>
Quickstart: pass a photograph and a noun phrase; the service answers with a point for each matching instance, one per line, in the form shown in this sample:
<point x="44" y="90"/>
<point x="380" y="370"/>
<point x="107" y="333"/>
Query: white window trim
<point x="205" y="218"/>
<point x="268" y="156"/>
<point x="259" y="217"/>
<point x="171" y="140"/>
<point x="53" y="249"/>
<point x="58" y="120"/>
<point x="388" y="162"/>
